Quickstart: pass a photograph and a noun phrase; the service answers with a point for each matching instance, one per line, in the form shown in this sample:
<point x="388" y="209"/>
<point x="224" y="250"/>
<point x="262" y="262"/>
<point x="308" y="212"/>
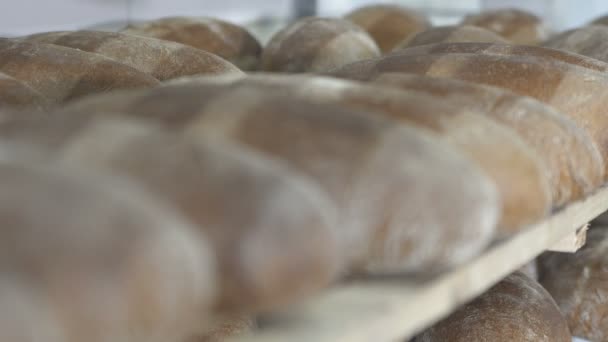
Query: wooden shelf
<point x="397" y="308"/>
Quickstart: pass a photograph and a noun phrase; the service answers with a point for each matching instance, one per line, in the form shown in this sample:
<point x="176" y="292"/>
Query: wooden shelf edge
<point x="396" y="309"/>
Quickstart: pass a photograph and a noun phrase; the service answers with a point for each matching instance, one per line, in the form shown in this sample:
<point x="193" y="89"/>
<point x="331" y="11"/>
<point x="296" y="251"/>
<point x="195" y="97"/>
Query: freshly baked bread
<point x="520" y="178"/>
<point x="389" y="24"/>
<point x="382" y="175"/>
<point x="573" y="160"/>
<point x="272" y="230"/>
<point x="62" y="74"/>
<point x="229" y="41"/>
<point x="577" y="91"/>
<point x="590" y="41"/>
<point x="517" y="309"/>
<point x="451" y="34"/>
<point x="16" y="94"/>
<point x="317" y="44"/>
<point x="579" y="285"/>
<point x="515" y="25"/>
<point x="162" y="59"/>
<point x="86" y="257"/>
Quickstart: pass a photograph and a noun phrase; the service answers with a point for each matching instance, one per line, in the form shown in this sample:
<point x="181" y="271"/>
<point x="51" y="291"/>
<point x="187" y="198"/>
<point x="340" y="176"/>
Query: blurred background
<point x="29" y="16"/>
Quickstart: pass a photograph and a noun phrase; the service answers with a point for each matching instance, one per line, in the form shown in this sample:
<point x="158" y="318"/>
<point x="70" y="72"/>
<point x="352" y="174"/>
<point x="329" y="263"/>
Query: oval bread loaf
<point x="62" y="74"/>
<point x="589" y="41"/>
<point x="451" y="34"/>
<point x="317" y="44"/>
<point x="272" y="230"/>
<point x="92" y="258"/>
<point x="517" y="26"/>
<point x="382" y="175"/>
<point x="579" y="285"/>
<point x="517" y="309"/>
<point x="515" y="170"/>
<point x="162" y="59"/>
<point x="16" y="94"/>
<point x="573" y="160"/>
<point x="389" y="24"/>
<point x="229" y="41"/>
<point x="579" y="92"/>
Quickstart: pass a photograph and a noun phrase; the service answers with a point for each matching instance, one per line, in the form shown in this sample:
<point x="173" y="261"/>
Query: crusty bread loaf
<point x="515" y="25"/>
<point x="16" y="94"/>
<point x="229" y="41"/>
<point x="451" y="34"/>
<point x="579" y="285"/>
<point x="93" y="258"/>
<point x="162" y="59"/>
<point x="573" y="160"/>
<point x="272" y="230"/>
<point x="62" y="74"/>
<point x="388" y="24"/>
<point x="237" y="326"/>
<point x="317" y="44"/>
<point x="577" y="91"/>
<point x="591" y="41"/>
<point x="517" y="174"/>
<point x="517" y="309"/>
<point x="384" y="177"/>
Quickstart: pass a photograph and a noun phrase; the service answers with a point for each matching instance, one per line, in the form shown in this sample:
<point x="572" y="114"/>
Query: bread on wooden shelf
<point x="229" y="41"/>
<point x="16" y="94"/>
<point x="62" y="74"/>
<point x="573" y="160"/>
<point x="160" y="58"/>
<point x="90" y="257"/>
<point x="389" y="24"/>
<point x="517" y="309"/>
<point x="517" y="26"/>
<point x="315" y="44"/>
<point x="589" y="41"/>
<point x="451" y="34"/>
<point x="579" y="285"/>
<point x="382" y="175"/>
<point x="568" y="82"/>
<point x="273" y="231"/>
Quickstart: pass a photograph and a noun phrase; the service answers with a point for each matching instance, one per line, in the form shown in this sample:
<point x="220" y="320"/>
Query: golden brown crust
<point x="517" y="26"/>
<point x="389" y="24"/>
<point x="591" y="41"/>
<point x="16" y="94"/>
<point x="369" y="166"/>
<point x="272" y="230"/>
<point x="92" y="258"/>
<point x="578" y="284"/>
<point x="317" y="44"/>
<point x="162" y="59"/>
<point x="227" y="40"/>
<point x="62" y="74"/>
<point x="451" y="34"/>
<point x="516" y="309"/>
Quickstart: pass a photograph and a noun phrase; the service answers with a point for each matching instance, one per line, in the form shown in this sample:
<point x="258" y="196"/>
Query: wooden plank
<point x="399" y="307"/>
<point x="572" y="242"/>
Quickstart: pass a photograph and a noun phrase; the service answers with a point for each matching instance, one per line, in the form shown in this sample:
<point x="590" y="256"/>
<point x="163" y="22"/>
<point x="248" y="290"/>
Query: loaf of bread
<point x="517" y="309"/>
<point x="575" y="89"/>
<point x="590" y="41"/>
<point x="389" y="24"/>
<point x="160" y="58"/>
<point x="16" y="94"/>
<point x="317" y="44"/>
<point x="573" y="160"/>
<point x="62" y="74"/>
<point x="451" y="34"/>
<point x="273" y="231"/>
<point x="520" y="178"/>
<point x="579" y="285"/>
<point x="515" y="25"/>
<point x="93" y="258"/>
<point x="229" y="41"/>
<point x="385" y="177"/>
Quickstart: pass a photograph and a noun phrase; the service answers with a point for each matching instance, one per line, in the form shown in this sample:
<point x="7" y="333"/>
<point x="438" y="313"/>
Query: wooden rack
<point x="397" y="308"/>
